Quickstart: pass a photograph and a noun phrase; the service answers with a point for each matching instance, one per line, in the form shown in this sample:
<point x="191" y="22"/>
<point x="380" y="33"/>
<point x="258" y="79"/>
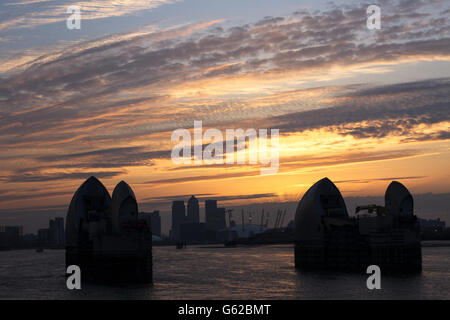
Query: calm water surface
<point x="260" y="272"/>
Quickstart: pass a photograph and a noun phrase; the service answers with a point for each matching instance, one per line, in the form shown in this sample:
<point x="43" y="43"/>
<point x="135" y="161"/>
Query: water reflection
<point x="264" y="272"/>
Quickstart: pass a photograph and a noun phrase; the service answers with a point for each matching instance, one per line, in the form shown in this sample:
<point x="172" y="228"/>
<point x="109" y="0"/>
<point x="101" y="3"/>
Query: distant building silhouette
<point x="210" y="211"/>
<point x="431" y="225"/>
<point x="156" y="223"/>
<point x="56" y="232"/>
<point x="193" y="210"/>
<point x="221" y="222"/>
<point x="215" y="218"/>
<point x="10" y="236"/>
<point x="178" y="218"/>
<point x="43" y="237"/>
<point x="153" y="219"/>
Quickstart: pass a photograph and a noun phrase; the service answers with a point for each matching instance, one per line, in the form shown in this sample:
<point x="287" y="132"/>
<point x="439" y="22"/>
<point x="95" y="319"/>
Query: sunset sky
<point x="361" y="107"/>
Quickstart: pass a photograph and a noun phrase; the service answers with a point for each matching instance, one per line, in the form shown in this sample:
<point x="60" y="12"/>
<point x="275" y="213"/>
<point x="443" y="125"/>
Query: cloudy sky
<point x="359" y="106"/>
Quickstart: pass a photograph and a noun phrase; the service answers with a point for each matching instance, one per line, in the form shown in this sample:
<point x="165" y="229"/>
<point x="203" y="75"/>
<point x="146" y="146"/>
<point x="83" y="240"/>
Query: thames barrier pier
<point x="327" y="238"/>
<point x="105" y="236"/>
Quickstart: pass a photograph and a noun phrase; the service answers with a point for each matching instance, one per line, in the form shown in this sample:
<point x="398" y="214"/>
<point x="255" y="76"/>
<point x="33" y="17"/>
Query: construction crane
<point x="262" y="219"/>
<point x="267" y="219"/>
<point x="230" y="212"/>
<point x="275" y="222"/>
<point x="277" y="219"/>
<point x="282" y="219"/>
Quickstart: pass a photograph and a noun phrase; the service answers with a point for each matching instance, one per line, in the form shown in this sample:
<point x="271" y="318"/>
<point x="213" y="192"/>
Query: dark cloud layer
<point x="26" y="177"/>
<point x="380" y="179"/>
<point x="385" y="110"/>
<point x="155" y="201"/>
<point x="205" y="177"/>
<point x="63" y="93"/>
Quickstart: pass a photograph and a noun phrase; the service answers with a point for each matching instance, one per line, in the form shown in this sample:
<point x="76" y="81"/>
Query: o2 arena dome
<point x="91" y="202"/>
<point x="398" y="200"/>
<point x="323" y="199"/>
<point x="124" y="207"/>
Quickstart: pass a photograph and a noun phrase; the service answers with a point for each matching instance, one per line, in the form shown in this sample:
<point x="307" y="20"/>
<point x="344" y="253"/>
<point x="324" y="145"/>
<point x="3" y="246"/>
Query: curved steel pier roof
<point x="124" y="206"/>
<point x="323" y="199"/>
<point x="90" y="201"/>
<point x="398" y="200"/>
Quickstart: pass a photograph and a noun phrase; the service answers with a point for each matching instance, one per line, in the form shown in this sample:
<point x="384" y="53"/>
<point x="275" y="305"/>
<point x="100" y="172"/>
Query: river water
<point x="257" y="272"/>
